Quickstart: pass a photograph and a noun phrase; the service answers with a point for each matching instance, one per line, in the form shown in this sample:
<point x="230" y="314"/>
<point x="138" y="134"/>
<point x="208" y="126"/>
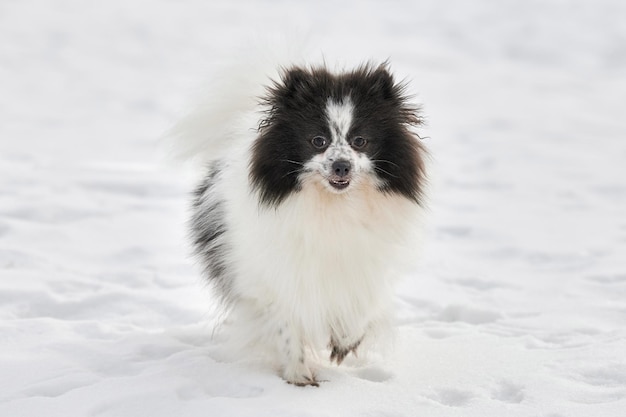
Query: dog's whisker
<point x="293" y="162"/>
<point x="385" y="161"/>
<point x="292" y="172"/>
<point x="385" y="172"/>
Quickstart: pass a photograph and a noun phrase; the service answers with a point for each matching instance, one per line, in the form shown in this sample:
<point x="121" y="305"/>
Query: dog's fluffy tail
<point x="227" y="110"/>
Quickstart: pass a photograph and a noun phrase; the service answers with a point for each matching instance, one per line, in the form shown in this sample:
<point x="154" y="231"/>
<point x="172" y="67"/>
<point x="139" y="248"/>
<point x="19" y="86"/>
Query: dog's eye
<point x="319" y="142"/>
<point x="359" y="142"/>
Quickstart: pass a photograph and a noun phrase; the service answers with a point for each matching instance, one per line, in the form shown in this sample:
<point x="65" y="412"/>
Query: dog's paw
<point x="304" y="381"/>
<point x="300" y="376"/>
<point x="338" y="353"/>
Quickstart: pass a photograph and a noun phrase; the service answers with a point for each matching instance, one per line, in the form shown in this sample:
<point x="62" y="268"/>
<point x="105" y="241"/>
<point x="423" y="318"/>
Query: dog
<point x="307" y="202"/>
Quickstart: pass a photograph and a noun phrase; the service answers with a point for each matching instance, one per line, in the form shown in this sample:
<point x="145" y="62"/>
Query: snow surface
<point x="517" y="306"/>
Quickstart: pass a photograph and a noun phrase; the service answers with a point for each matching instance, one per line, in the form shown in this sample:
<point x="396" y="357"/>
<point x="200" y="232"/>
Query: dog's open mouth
<point x="339" y="183"/>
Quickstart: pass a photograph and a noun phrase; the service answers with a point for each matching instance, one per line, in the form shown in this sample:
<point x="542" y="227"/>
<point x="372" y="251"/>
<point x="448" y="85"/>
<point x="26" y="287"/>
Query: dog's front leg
<point x="291" y="348"/>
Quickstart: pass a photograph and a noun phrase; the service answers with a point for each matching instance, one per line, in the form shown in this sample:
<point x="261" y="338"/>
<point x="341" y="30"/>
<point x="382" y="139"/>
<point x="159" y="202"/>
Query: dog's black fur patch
<point x="207" y="228"/>
<point x="296" y="113"/>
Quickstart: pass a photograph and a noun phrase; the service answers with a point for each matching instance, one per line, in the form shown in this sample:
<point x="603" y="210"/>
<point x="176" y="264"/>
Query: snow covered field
<point x="517" y="306"/>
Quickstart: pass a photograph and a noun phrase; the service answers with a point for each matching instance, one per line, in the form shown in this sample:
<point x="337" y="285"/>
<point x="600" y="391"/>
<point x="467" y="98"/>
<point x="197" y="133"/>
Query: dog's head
<point x="340" y="132"/>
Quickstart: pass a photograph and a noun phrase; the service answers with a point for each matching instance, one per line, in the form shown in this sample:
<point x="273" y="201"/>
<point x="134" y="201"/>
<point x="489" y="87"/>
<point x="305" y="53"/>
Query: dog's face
<point x="339" y="132"/>
<point x="341" y="156"/>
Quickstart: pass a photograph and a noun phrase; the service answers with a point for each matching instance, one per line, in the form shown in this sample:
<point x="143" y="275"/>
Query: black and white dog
<point x="307" y="202"/>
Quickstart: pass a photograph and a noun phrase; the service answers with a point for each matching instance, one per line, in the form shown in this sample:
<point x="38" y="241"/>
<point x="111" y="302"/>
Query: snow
<point x="517" y="305"/>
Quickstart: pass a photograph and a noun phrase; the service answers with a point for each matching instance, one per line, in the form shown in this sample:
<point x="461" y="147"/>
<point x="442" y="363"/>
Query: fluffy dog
<point x="306" y="204"/>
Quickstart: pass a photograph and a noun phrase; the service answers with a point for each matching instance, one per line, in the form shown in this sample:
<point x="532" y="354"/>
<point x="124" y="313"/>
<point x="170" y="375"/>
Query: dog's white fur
<point x="335" y="251"/>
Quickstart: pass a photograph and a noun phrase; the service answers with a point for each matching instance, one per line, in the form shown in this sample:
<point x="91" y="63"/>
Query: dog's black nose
<point x="341" y="168"/>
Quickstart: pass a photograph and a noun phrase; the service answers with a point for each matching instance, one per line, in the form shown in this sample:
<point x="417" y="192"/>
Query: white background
<point x="517" y="306"/>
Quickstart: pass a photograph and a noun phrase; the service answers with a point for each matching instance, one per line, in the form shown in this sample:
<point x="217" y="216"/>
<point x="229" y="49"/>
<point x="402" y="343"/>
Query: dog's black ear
<point x="383" y="84"/>
<point x="295" y="85"/>
<point x="294" y="78"/>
